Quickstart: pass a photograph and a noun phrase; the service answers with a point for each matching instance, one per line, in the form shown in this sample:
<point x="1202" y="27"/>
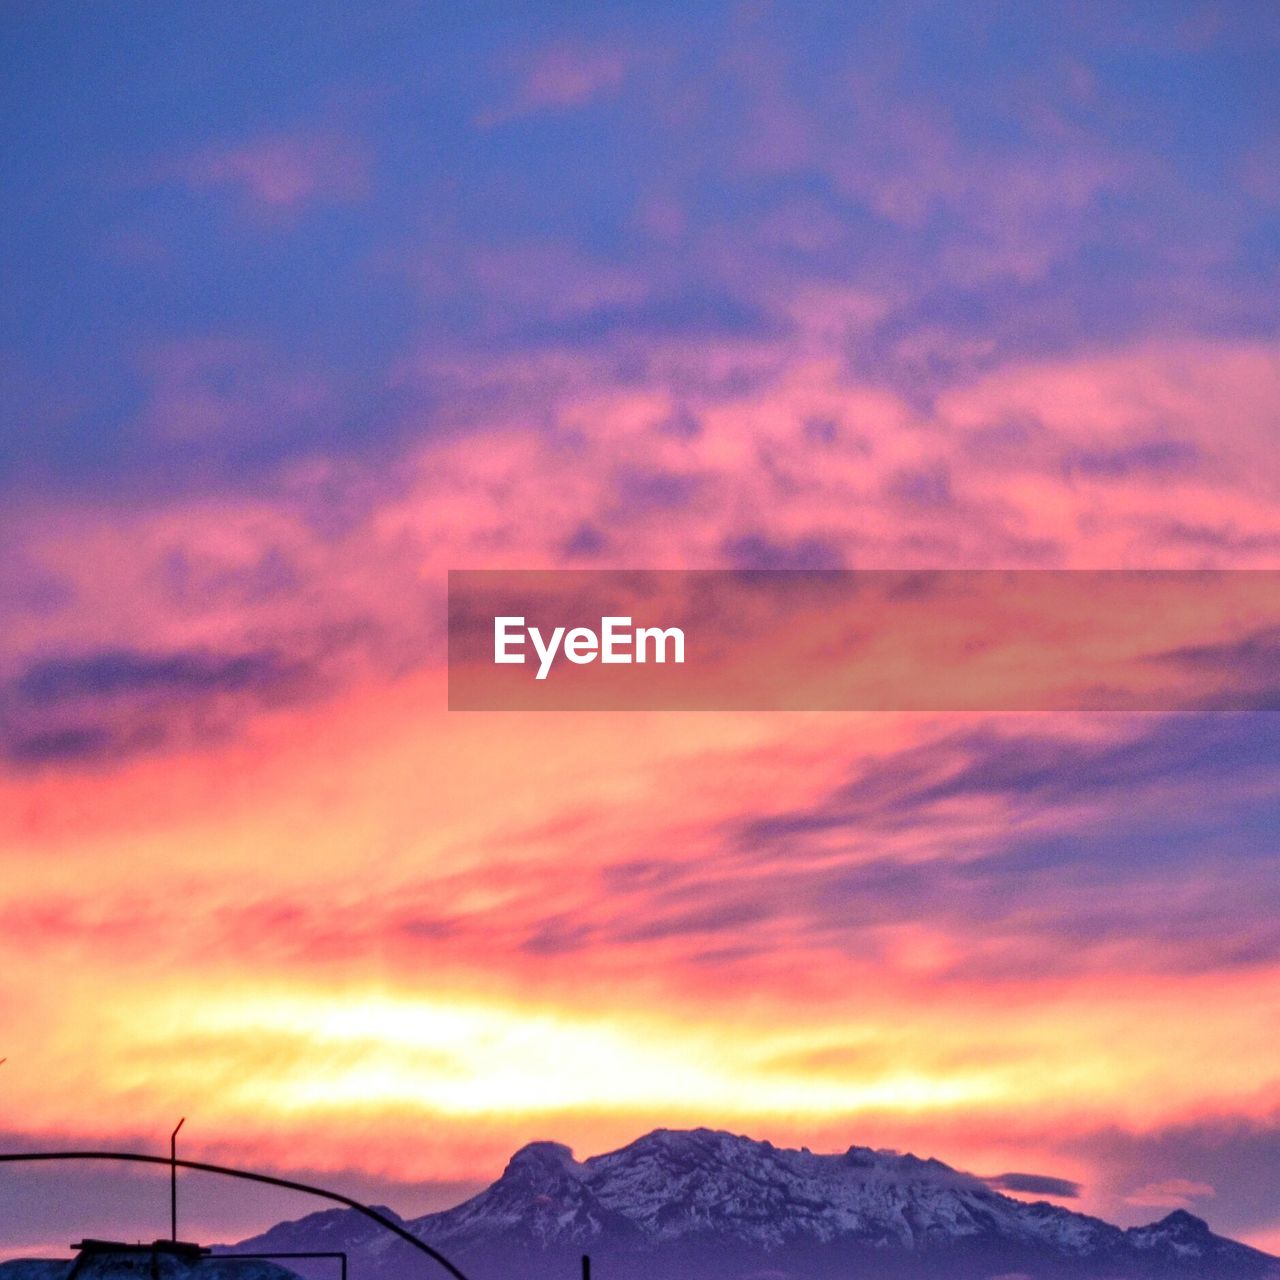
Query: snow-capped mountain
<point x="704" y="1205"/>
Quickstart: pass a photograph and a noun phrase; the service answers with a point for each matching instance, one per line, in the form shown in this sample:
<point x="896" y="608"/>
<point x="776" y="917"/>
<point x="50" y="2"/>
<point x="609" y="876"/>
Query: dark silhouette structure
<point x="173" y="1179"/>
<point x="89" y="1250"/>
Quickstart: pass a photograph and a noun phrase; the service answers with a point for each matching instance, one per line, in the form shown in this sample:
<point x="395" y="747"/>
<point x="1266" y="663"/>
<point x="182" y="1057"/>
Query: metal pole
<point x="586" y="1266"/>
<point x="173" y="1180"/>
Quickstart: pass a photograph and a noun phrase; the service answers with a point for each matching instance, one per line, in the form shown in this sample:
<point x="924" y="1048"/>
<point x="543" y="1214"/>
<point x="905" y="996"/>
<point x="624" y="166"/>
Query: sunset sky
<point x="307" y="304"/>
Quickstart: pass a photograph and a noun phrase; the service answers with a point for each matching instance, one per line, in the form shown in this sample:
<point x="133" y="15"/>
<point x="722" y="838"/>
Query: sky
<point x="307" y="304"/>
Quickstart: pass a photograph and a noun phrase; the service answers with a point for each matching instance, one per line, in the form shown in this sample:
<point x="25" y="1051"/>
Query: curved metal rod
<point x="267" y="1179"/>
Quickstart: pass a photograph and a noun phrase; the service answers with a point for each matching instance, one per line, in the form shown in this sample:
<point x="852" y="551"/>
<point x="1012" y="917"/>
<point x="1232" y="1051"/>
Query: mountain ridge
<point x="704" y="1204"/>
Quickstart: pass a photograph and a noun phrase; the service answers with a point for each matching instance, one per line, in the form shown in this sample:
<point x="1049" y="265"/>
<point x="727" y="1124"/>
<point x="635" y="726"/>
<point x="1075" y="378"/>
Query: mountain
<point x="704" y="1205"/>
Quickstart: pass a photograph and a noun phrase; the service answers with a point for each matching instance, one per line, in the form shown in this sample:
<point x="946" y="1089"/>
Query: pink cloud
<point x="697" y="455"/>
<point x="1172" y="1193"/>
<point x="210" y="388"/>
<point x="701" y="455"/>
<point x="1013" y="215"/>
<point x="560" y="77"/>
<point x="566" y="76"/>
<point x="552" y="280"/>
<point x="281" y="172"/>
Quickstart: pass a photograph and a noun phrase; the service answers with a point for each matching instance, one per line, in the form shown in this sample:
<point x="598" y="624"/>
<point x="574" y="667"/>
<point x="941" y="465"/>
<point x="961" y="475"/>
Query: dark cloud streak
<point x="1037" y="1184"/>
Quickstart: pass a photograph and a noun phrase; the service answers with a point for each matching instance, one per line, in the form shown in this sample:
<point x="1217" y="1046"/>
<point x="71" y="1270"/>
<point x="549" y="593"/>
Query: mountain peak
<point x="694" y="1139"/>
<point x="712" y="1205"/>
<point x="1182" y="1221"/>
<point x="543" y="1157"/>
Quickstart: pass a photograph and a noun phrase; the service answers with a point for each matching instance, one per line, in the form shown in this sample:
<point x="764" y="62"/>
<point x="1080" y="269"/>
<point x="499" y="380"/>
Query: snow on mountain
<point x="680" y="1184"/>
<point x="335" y="1230"/>
<point x="706" y="1205"/>
<point x="542" y="1198"/>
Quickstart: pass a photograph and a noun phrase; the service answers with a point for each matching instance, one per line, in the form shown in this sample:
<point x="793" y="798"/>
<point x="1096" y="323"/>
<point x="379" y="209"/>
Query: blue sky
<point x="1033" y="182"/>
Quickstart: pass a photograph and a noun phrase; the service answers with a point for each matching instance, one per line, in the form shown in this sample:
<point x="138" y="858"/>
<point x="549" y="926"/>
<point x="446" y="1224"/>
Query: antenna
<point x="173" y="1179"/>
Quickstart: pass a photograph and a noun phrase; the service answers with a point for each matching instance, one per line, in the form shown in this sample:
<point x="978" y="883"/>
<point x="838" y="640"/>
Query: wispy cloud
<point x="279" y="173"/>
<point x="1038" y="1184"/>
<point x="1172" y="1193"/>
<point x="561" y="76"/>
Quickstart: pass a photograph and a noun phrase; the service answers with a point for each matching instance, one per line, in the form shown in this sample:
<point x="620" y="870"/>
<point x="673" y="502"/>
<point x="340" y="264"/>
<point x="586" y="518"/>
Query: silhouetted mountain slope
<point x="703" y="1205"/>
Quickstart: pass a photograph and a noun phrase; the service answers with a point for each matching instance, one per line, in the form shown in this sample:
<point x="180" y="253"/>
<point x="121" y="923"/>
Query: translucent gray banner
<point x="963" y="640"/>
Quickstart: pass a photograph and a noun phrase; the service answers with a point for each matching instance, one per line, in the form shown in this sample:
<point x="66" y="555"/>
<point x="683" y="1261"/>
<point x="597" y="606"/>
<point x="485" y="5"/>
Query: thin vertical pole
<point x="586" y="1266"/>
<point x="173" y="1180"/>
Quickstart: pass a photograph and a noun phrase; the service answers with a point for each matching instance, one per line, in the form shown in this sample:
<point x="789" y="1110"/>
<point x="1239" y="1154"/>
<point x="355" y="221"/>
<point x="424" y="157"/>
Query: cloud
<point x="927" y="486"/>
<point x="1172" y="1193"/>
<point x="213" y="394"/>
<point x="125" y="672"/>
<point x="1156" y="457"/>
<point x="562" y="455"/>
<point x="758" y="551"/>
<point x="561" y="77"/>
<point x="1228" y="1159"/>
<point x="586" y="541"/>
<point x="1033" y="854"/>
<point x="109" y="705"/>
<point x="1252" y="660"/>
<point x="78" y="744"/>
<point x="1033" y="772"/>
<point x="283" y="172"/>
<point x="651" y="489"/>
<point x="1036" y="1184"/>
